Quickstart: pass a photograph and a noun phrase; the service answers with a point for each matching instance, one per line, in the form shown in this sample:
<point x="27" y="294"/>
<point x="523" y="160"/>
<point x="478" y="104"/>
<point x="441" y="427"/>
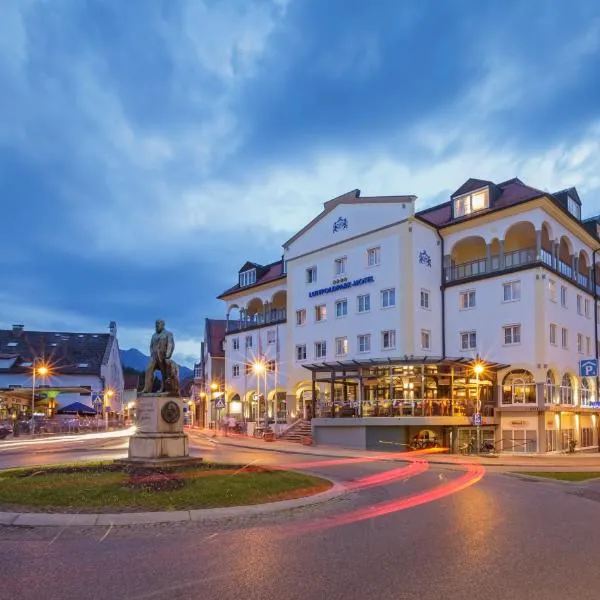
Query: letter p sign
<point x="588" y="368"/>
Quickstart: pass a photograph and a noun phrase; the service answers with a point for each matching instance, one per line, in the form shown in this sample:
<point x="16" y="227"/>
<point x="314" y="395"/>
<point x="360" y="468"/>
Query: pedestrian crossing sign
<point x="220" y="402"/>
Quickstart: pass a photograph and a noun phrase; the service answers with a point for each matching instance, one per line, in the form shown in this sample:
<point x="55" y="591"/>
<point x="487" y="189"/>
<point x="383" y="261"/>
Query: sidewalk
<point x="576" y="461"/>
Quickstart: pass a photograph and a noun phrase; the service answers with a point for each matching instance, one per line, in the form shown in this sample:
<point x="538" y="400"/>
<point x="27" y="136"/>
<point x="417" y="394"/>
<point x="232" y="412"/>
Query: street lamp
<point x="478" y="369"/>
<point x="42" y="370"/>
<point x="260" y="369"/>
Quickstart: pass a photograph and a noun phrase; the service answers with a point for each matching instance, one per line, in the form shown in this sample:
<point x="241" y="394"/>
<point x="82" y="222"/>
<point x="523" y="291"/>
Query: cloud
<point x="148" y="149"/>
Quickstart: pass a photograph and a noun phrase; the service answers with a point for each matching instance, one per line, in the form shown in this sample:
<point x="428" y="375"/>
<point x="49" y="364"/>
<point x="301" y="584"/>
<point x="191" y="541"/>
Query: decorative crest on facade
<point x="341" y="223"/>
<point x="424" y="258"/>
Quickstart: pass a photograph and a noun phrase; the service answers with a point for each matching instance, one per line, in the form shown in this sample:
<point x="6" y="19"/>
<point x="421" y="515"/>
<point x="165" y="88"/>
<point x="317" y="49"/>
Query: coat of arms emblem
<point x="341" y="223"/>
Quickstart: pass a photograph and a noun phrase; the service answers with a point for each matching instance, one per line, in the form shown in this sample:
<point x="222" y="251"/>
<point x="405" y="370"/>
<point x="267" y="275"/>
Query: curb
<point x="12" y="519"/>
<point x="430" y="458"/>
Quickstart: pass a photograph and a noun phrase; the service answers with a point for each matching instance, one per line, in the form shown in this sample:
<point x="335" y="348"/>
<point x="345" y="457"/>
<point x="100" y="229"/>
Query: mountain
<point x="135" y="359"/>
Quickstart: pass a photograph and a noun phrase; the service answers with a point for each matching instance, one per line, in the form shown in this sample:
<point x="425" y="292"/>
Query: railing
<point x="516" y="258"/>
<point x="468" y="269"/>
<point x="565" y="269"/>
<point x="582" y="280"/>
<point x="547" y="257"/>
<point x="272" y="317"/>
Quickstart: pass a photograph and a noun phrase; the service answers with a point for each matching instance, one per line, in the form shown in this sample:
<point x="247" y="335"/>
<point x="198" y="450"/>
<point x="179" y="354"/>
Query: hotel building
<point x="383" y="324"/>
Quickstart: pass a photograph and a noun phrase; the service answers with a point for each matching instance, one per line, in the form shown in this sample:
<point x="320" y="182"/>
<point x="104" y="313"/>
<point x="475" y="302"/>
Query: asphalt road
<point x="421" y="532"/>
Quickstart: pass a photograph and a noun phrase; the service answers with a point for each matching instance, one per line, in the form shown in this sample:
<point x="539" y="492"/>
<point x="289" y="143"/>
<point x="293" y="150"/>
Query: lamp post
<point x="260" y="369"/>
<point x="478" y="368"/>
<point x="214" y="386"/>
<point x="42" y="371"/>
<point x="109" y="393"/>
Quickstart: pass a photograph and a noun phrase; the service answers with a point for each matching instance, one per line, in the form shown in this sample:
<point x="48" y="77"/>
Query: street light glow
<point x="43" y="370"/>
<point x="258" y="367"/>
<point x="478" y="368"/>
<point x="214" y="386"/>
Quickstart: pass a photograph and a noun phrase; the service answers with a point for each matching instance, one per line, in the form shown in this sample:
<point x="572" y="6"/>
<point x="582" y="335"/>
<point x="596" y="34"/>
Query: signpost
<point x="477" y="420"/>
<point x="219" y="404"/>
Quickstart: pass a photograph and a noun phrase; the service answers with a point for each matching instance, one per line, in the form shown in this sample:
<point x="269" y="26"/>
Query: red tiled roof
<point x="214" y="334"/>
<point x="264" y="274"/>
<point x="511" y="192"/>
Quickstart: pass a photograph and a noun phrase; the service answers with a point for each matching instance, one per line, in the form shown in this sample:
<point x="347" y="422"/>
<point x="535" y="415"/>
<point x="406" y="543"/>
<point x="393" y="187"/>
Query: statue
<point x="161" y="350"/>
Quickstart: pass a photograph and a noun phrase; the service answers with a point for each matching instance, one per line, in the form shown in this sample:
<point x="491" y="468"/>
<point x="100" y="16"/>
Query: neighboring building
<point x="131" y="384"/>
<point x="209" y="374"/>
<point x="255" y="335"/>
<point x="412" y="322"/>
<point x="82" y="366"/>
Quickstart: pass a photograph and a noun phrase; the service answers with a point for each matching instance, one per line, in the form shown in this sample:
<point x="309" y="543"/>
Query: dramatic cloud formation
<point x="150" y="147"/>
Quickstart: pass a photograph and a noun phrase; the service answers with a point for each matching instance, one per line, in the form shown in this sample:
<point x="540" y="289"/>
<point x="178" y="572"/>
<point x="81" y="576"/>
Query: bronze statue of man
<point x="161" y="350"/>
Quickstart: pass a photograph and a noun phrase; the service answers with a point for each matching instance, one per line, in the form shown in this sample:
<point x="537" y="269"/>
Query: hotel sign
<point x="341" y="286"/>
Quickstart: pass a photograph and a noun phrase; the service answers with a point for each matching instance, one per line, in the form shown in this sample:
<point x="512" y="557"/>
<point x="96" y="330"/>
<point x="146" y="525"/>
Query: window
<point x="248" y="277"/>
<point x="553" y="334"/>
<point x="340" y="266"/>
<point x="579" y="304"/>
<point x="565" y="338"/>
<point x="465" y="205"/>
<point x="320" y="349"/>
<point x="388" y="339"/>
<point x="311" y="274"/>
<point x="512" y="291"/>
<point x="300" y="317"/>
<point x="388" y="298"/>
<point x="563" y="295"/>
<point x="588" y="345"/>
<point x="235" y="343"/>
<point x="467" y="299"/>
<point x="512" y="335"/>
<point x="364" y="343"/>
<point x="573" y="207"/>
<point x="373" y="257"/>
<point x="341" y="346"/>
<point x="586" y="305"/>
<point x="364" y="303"/>
<point x="552" y="290"/>
<point x="248" y="341"/>
<point x="271" y="337"/>
<point x="235" y="370"/>
<point x="425" y="339"/>
<point x="341" y="308"/>
<point x="580" y="343"/>
<point x="247" y="369"/>
<point x="301" y="352"/>
<point x="271" y="366"/>
<point x="424" y="298"/>
<point x="320" y="312"/>
<point x="468" y="340"/>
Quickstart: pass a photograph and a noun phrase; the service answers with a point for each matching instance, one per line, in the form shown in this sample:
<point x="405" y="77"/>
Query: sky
<point x="148" y="148"/>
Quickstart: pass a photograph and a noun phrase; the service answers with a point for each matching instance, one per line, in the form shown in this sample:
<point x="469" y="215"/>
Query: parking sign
<point x="588" y="368"/>
<point x="477" y="419"/>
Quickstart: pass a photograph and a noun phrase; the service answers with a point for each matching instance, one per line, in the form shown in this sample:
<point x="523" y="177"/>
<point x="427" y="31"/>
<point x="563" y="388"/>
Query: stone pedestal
<point x="160" y="440"/>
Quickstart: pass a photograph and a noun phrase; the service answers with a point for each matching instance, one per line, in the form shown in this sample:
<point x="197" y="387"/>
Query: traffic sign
<point x="477" y="419"/>
<point x="588" y="368"/>
<point x="220" y="402"/>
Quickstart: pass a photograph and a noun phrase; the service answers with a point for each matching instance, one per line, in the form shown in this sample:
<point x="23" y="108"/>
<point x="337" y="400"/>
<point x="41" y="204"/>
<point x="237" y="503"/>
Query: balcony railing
<point x="482" y="266"/>
<point x="272" y="317"/>
<point x="516" y="258"/>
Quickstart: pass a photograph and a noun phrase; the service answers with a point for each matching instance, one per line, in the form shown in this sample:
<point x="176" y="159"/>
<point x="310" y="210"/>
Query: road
<point x="404" y="531"/>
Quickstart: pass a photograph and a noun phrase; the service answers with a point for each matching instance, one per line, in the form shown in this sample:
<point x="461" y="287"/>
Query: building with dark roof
<point x="477" y="316"/>
<point x="82" y="367"/>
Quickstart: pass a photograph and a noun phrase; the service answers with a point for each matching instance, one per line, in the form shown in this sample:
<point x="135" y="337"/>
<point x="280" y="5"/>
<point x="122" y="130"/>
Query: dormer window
<point x="470" y="203"/>
<point x="573" y="207"/>
<point x="247" y="277"/>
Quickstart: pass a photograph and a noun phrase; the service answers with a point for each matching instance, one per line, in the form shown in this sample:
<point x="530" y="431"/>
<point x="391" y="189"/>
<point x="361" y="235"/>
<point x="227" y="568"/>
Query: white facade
<point x="369" y="280"/>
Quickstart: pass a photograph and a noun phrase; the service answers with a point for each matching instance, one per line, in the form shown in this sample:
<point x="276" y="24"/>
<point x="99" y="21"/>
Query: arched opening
<point x="277" y="307"/>
<point x="236" y="406"/>
<point x="255" y="311"/>
<point x="546" y="243"/>
<point x="551" y="389"/>
<point x="566" y="389"/>
<point x="495" y="254"/>
<point x="519" y="244"/>
<point x="583" y="266"/>
<point x="235" y="317"/>
<point x="468" y="258"/>
<point x="518" y="387"/>
<point x="585" y="392"/>
<point x="565" y="260"/>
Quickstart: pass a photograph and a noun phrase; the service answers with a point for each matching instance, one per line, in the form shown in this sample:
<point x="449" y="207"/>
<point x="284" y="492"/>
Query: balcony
<point x="272" y="317"/>
<point x="494" y="263"/>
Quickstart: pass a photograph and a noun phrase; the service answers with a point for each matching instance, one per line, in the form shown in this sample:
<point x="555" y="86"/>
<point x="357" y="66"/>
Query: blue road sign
<point x="588" y="368"/>
<point x="477" y="419"/>
<point x="97" y="398"/>
<point x="220" y="402"/>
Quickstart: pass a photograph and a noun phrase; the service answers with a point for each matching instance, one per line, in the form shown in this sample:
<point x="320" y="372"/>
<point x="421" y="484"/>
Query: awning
<point x="76" y="408"/>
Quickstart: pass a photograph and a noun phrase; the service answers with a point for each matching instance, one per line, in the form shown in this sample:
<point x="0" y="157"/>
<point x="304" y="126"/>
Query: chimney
<point x="18" y="330"/>
<point x="112" y="327"/>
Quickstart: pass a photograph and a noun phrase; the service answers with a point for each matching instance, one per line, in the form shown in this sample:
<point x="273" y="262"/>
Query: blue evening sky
<point x="149" y="147"/>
